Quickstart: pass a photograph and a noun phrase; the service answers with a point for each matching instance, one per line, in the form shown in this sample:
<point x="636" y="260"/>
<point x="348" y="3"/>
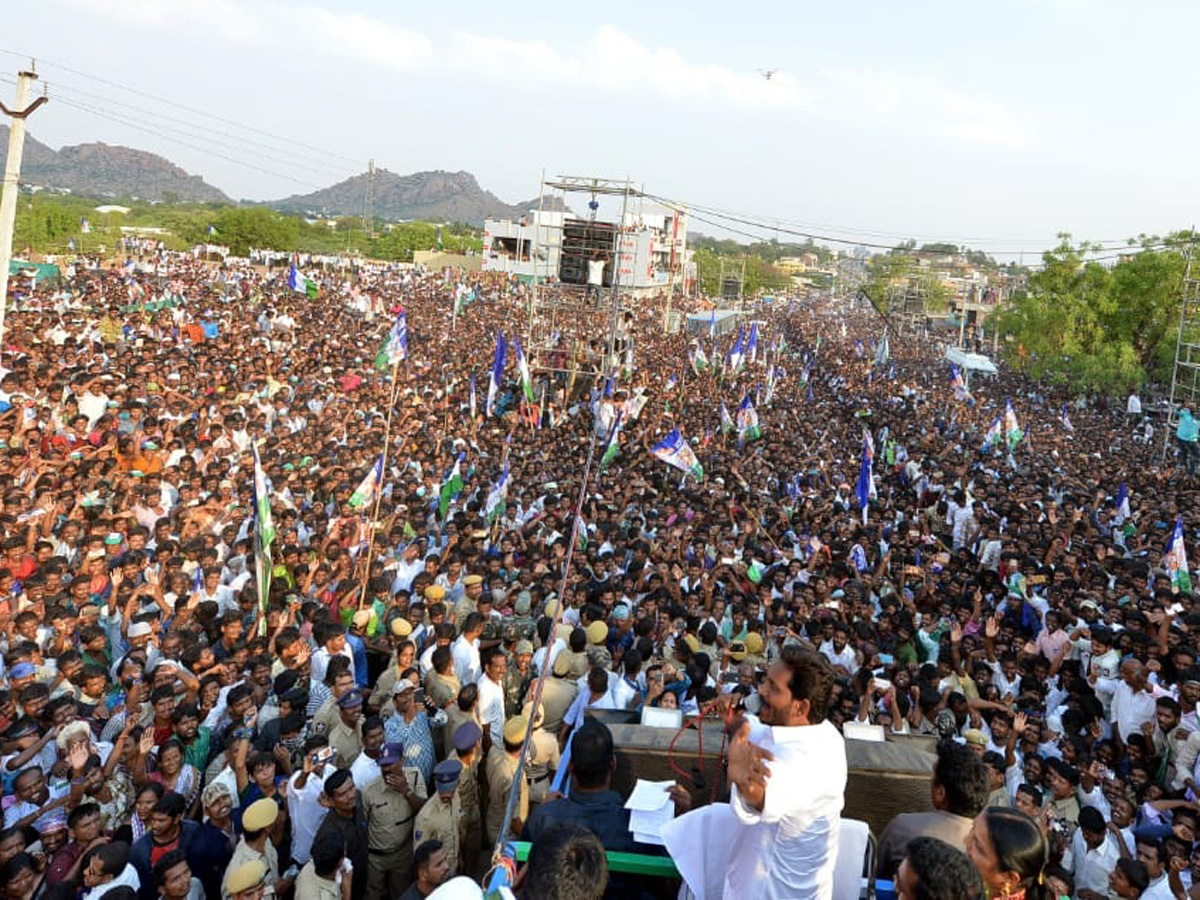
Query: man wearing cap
<point x="247" y="882"/>
<point x="517" y="677"/>
<point x="597" y="652"/>
<point x="345" y="737"/>
<point x="558" y="694"/>
<point x="501" y="771"/>
<point x="391" y="802"/>
<point x="544" y="759"/>
<point x="256" y="846"/>
<point x="468" y="750"/>
<point x="473" y="587"/>
<point x="441" y="818"/>
<point x="410" y="727"/>
<point x="522" y="620"/>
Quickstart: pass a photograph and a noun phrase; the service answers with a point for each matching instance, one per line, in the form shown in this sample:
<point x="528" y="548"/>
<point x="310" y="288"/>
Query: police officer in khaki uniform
<point x="597" y="652"/>
<point x="543" y="759"/>
<point x="501" y="772"/>
<point x="391" y="804"/>
<point x="346" y="736"/>
<point x="467" y="750"/>
<point x="255" y="846"/>
<point x="247" y="882"/>
<point x="473" y="585"/>
<point x="441" y="818"/>
<point x="558" y="693"/>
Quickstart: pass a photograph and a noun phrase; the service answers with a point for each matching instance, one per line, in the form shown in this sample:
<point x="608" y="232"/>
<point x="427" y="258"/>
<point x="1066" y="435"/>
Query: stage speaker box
<point x="884" y="779"/>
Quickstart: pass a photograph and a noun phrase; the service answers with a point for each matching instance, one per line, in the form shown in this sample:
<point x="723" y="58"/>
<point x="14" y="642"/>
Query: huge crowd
<point x="168" y="732"/>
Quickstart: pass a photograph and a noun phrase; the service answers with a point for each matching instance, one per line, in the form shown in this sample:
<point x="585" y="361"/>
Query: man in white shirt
<point x="491" y="694"/>
<point x="787" y="769"/>
<point x="1094" y="853"/>
<point x="304" y="797"/>
<point x="465" y="650"/>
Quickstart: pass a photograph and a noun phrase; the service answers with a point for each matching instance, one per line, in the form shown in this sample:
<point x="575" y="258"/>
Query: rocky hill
<point x="431" y="196"/>
<point x="104" y="170"/>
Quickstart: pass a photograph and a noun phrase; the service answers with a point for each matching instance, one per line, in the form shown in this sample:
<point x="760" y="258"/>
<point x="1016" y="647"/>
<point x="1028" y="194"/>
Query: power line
<point x="322" y="168"/>
<point x="208" y="150"/>
<point x="200" y="112"/>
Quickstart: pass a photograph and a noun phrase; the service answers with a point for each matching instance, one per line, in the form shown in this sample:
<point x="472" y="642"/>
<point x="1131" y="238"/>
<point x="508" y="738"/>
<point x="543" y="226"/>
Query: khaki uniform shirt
<point x="441" y="689"/>
<point x="311" y="887"/>
<point x="468" y="793"/>
<point x="346" y="743"/>
<point x="443" y="822"/>
<point x="325" y="717"/>
<point x="244" y="853"/>
<point x="390" y="816"/>
<point x="557" y="696"/>
<point x="542" y="765"/>
<point x="501" y="767"/>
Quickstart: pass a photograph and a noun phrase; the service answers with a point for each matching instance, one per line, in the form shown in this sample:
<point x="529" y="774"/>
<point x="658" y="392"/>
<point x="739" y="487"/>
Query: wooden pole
<point x="387" y="438"/>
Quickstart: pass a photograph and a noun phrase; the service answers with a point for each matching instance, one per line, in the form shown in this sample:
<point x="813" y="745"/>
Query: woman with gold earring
<point x="1009" y="850"/>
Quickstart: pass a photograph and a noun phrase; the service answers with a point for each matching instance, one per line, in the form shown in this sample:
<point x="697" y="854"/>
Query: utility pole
<point x="369" y="204"/>
<point x="12" y="179"/>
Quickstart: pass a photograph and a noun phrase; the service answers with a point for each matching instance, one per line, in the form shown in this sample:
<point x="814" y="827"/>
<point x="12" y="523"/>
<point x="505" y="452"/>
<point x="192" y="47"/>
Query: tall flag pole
<point x="400" y="330"/>
<point x="496" y="377"/>
<point x="264" y="536"/>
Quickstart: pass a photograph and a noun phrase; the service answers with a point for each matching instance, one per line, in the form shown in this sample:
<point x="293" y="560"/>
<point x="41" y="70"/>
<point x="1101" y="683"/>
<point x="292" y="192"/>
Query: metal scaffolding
<point x="567" y="331"/>
<point x="1185" y="377"/>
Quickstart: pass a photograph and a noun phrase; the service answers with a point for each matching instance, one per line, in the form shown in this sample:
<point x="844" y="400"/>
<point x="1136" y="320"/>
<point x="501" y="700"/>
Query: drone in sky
<point x="768" y="74"/>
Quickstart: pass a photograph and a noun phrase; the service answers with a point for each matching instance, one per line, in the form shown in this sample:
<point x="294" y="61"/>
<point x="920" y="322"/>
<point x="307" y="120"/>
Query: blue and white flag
<point x="737" y="353"/>
<point x="523" y="369"/>
<point x="882" y="352"/>
<point x="961" y="393"/>
<point x="397" y="345"/>
<point x="368" y="489"/>
<point x="85" y="226"/>
<point x="993" y="435"/>
<point x="1175" y="558"/>
<point x="472" y="400"/>
<point x="1012" y="428"/>
<point x="866" y="482"/>
<point x="496" y="377"/>
<point x="752" y="344"/>
<point x="497" y="498"/>
<point x="675" y="451"/>
<point x="1065" y="417"/>
<point x="859" y="556"/>
<point x="1123" y="512"/>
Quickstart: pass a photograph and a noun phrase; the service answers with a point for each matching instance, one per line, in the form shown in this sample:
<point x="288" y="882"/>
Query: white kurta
<point x="789" y="850"/>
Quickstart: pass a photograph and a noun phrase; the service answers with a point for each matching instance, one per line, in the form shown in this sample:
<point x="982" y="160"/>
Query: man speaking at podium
<point x="787" y="774"/>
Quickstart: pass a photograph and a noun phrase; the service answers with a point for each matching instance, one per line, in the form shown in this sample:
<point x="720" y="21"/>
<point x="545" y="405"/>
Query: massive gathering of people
<point x="1016" y="592"/>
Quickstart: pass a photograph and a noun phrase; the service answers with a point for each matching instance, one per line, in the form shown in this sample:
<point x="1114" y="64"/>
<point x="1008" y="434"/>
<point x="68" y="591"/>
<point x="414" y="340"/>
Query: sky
<point x="996" y="125"/>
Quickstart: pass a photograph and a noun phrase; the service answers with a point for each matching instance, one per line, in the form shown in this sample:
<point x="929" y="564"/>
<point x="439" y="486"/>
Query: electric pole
<point x="12" y="179"/>
<point x="369" y="204"/>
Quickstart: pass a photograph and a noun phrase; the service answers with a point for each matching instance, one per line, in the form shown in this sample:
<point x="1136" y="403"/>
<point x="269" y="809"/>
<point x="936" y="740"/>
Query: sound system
<point x="884" y="779"/>
<point x="582" y="240"/>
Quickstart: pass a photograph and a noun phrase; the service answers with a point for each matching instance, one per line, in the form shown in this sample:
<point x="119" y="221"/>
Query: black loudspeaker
<point x="884" y="779"/>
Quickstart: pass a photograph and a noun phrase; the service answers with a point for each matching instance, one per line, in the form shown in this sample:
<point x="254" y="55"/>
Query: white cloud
<point x="923" y="104"/>
<point x="607" y="61"/>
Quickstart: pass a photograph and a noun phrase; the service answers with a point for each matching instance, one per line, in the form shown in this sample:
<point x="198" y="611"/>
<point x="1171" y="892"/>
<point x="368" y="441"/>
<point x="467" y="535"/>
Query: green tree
<point x="1091" y="326"/>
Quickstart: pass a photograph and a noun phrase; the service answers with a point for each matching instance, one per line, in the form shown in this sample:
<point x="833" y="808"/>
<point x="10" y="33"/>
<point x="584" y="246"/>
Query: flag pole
<point x="387" y="439"/>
